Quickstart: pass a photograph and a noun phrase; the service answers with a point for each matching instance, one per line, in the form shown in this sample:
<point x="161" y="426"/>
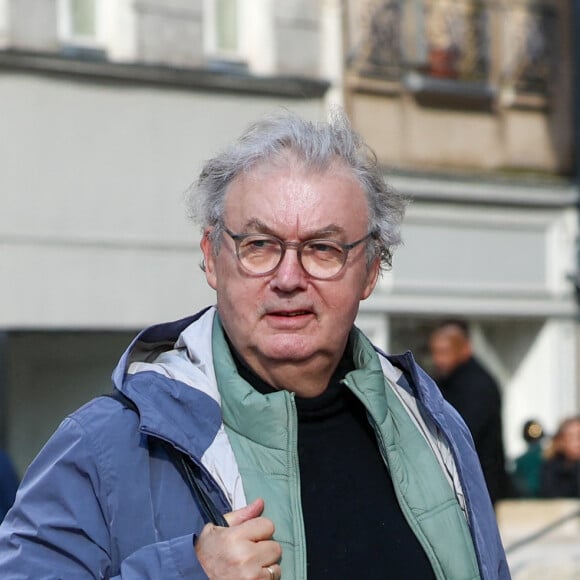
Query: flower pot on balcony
<point x="443" y="63"/>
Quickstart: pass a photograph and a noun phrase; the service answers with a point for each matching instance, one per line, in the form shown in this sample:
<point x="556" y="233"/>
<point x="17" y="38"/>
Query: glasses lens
<point x="259" y="254"/>
<point x="322" y="259"/>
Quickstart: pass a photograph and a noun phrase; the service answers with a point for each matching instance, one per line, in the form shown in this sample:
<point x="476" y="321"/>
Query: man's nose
<point x="290" y="275"/>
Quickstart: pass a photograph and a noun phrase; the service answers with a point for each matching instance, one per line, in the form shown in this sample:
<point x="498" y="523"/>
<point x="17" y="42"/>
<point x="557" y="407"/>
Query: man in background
<point x="474" y="393"/>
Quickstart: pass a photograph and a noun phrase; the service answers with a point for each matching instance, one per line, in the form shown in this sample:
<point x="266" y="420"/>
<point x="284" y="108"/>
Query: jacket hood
<point x="153" y="372"/>
<point x="151" y="342"/>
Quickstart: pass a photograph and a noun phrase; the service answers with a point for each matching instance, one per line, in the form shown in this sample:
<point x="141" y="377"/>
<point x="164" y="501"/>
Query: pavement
<point x="542" y="538"/>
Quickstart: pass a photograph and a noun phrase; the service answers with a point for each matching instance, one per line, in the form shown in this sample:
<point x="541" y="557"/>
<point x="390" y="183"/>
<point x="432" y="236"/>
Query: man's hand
<point x="244" y="551"/>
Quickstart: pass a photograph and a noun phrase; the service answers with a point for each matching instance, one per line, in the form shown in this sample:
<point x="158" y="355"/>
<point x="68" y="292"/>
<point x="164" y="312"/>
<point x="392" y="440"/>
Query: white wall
<point x="92" y="226"/>
<point x="535" y="362"/>
<point x="543" y="385"/>
<point x="4" y="24"/>
<point x="482" y="260"/>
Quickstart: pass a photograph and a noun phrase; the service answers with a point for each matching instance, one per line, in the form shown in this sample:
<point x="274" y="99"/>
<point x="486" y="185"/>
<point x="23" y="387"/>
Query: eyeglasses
<point x="261" y="254"/>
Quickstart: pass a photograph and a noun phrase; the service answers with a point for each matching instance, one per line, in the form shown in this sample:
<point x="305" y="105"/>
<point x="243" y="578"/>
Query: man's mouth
<point x="291" y="313"/>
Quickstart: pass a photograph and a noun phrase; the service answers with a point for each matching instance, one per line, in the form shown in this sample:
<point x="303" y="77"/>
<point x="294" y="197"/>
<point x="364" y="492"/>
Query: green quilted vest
<point x="262" y="430"/>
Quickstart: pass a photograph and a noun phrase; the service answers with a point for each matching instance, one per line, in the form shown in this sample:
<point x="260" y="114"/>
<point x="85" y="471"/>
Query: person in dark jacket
<point x="528" y="466"/>
<point x="8" y="483"/>
<point x="560" y="475"/>
<point x="471" y="389"/>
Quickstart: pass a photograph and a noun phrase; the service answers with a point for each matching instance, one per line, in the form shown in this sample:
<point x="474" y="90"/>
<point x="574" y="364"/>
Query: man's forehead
<point x="449" y="334"/>
<point x="287" y="190"/>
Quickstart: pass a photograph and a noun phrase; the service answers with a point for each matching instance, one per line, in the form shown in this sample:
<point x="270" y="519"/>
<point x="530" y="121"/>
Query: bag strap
<point x="189" y="470"/>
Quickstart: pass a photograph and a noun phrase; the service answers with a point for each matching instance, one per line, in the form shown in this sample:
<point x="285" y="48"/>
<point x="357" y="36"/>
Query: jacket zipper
<point x="300" y="555"/>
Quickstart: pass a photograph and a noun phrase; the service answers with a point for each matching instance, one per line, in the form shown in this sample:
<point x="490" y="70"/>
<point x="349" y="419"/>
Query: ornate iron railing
<point x="530" y="45"/>
<point x="512" y="42"/>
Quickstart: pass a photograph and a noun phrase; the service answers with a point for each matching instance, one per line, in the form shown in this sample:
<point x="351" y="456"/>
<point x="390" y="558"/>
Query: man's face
<point x="447" y="352"/>
<point x="288" y="317"/>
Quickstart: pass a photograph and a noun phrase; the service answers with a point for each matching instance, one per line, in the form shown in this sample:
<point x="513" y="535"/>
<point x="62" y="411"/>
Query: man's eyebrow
<point x="329" y="230"/>
<point x="259" y="226"/>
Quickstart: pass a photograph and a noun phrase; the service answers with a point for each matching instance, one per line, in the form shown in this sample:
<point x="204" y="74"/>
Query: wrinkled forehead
<point x="288" y="189"/>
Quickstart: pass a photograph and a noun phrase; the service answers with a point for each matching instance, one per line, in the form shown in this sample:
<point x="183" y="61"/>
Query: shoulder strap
<point x="189" y="470"/>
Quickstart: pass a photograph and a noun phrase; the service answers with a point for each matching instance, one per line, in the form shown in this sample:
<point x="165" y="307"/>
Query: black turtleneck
<point x="354" y="525"/>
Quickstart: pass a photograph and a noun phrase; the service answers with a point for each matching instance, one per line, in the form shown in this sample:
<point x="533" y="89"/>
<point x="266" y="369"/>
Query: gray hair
<point x="317" y="146"/>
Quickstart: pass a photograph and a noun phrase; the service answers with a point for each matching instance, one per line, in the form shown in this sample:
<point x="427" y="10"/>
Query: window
<point x="78" y="23"/>
<point x="222" y="29"/>
<point x="226" y="23"/>
<point x="82" y="18"/>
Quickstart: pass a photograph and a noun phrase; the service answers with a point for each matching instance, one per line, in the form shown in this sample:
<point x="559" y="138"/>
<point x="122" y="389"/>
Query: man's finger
<point x="274" y="572"/>
<point x="244" y="514"/>
<point x="258" y="529"/>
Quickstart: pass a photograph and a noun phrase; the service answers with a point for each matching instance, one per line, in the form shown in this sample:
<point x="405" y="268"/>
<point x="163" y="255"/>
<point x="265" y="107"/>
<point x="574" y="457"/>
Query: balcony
<point x="489" y="58"/>
<point x="511" y="43"/>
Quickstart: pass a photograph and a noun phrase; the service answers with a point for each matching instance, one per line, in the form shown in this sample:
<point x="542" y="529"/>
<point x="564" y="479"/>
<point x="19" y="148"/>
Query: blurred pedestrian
<point x="8" y="483"/>
<point x="560" y="475"/>
<point x="474" y="393"/>
<point x="528" y="466"/>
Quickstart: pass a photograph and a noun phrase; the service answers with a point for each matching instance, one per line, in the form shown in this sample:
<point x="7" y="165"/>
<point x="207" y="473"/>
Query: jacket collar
<point x="423" y="386"/>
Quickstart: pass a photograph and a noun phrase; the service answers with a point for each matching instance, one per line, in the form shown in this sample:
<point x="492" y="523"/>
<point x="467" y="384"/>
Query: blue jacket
<point x="102" y="500"/>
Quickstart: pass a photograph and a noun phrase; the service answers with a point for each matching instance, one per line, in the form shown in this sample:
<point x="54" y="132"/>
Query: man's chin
<point x="287" y="349"/>
<point x="290" y="356"/>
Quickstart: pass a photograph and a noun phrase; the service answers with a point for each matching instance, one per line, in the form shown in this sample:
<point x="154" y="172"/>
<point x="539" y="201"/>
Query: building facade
<point x="109" y="108"/>
<point x="469" y="105"/>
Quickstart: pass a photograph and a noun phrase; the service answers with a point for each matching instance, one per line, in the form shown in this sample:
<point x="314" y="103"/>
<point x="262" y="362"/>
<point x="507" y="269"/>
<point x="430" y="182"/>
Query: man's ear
<point x="208" y="258"/>
<point x="372" y="278"/>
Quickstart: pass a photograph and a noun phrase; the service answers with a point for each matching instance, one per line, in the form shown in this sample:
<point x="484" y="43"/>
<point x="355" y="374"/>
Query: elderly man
<point x="328" y="458"/>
